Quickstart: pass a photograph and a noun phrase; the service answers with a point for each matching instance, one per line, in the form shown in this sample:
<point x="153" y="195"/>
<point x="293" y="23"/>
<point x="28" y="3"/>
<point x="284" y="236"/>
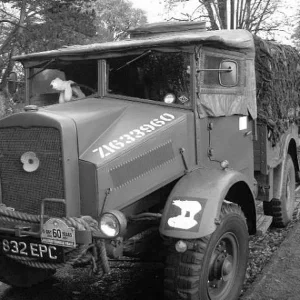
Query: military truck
<point x="166" y="135"/>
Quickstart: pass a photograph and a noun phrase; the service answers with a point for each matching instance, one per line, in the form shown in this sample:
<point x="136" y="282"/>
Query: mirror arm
<point x="219" y="70"/>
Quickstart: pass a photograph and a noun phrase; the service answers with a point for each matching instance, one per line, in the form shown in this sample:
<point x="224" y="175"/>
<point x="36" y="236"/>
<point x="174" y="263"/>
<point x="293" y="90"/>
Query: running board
<point x="263" y="223"/>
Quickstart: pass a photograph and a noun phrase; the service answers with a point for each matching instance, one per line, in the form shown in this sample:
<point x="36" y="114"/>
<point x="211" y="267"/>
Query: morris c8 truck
<point x="166" y="135"/>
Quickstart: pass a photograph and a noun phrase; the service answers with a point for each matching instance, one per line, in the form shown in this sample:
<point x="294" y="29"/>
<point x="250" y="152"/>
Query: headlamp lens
<point x="110" y="225"/>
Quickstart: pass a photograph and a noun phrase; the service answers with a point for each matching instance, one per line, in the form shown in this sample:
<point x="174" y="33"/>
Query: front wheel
<point x="215" y="268"/>
<point x="20" y="275"/>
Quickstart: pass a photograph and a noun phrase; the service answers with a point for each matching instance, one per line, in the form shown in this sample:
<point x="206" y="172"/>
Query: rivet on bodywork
<point x="224" y="164"/>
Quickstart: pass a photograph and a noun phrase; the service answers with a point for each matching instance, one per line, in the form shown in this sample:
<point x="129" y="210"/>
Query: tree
<point x="115" y="17"/>
<point x="31" y="25"/>
<point x="62" y="23"/>
<point x="38" y="25"/>
<point x="252" y="15"/>
<point x="296" y="34"/>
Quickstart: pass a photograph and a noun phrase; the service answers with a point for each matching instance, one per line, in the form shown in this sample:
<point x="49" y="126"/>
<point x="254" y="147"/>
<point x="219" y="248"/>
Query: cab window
<point x="151" y="75"/>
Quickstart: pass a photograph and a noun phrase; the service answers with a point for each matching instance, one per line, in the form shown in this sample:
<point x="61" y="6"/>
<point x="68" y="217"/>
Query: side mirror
<point x="228" y="78"/>
<point x="12" y="82"/>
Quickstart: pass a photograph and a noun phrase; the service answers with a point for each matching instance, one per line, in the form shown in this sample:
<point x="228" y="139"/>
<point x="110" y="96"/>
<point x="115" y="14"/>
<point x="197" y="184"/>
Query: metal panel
<point x="141" y="165"/>
<point x="229" y="141"/>
<point x="262" y="141"/>
<point x="88" y="189"/>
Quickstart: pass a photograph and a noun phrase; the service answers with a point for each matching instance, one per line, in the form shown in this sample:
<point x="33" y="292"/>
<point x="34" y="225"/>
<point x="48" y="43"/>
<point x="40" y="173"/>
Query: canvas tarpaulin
<point x="278" y="85"/>
<point x="271" y="92"/>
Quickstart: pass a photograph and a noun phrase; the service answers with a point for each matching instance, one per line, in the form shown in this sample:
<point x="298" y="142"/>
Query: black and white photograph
<point x="149" y="149"/>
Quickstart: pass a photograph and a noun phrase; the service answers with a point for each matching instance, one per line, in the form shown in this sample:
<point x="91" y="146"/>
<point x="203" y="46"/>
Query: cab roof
<point x="172" y="34"/>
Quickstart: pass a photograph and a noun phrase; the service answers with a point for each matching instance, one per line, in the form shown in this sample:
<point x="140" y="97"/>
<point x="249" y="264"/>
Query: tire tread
<point x="182" y="273"/>
<point x="276" y="207"/>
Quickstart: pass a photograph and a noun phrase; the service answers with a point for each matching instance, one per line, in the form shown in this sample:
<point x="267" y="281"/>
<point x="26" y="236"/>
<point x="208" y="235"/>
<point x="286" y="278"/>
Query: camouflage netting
<point x="278" y="85"/>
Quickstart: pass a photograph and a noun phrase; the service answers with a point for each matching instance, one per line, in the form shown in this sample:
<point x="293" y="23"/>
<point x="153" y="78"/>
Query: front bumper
<point x="21" y="224"/>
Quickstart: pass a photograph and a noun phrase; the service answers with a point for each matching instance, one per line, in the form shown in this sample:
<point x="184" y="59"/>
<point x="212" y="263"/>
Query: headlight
<point x="169" y="98"/>
<point x="113" y="223"/>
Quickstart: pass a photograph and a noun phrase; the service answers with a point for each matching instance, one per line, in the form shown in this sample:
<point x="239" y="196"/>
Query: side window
<point x="41" y="81"/>
<point x="41" y="92"/>
<point x="228" y="73"/>
<point x="222" y="72"/>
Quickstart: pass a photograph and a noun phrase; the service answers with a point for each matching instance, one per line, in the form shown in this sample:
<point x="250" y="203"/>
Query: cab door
<point x="226" y="96"/>
<point x="231" y="140"/>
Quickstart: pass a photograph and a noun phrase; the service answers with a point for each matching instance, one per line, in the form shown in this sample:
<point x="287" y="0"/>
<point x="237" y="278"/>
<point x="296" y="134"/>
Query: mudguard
<point x="289" y="147"/>
<point x="194" y="205"/>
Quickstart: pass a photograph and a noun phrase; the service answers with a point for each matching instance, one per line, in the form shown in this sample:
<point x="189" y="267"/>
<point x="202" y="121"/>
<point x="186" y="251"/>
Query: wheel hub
<point x="222" y="266"/>
<point x="227" y="268"/>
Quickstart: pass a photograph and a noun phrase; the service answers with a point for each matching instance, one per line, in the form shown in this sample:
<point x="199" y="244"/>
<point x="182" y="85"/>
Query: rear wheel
<point x="216" y="267"/>
<point x="20" y="275"/>
<point x="282" y="209"/>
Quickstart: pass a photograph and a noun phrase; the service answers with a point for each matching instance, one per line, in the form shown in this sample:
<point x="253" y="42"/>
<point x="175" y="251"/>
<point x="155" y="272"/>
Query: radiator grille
<point x="22" y="190"/>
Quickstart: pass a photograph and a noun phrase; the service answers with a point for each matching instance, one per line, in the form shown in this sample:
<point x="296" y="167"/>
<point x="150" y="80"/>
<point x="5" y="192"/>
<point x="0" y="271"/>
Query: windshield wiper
<point x="133" y="60"/>
<point x="43" y="68"/>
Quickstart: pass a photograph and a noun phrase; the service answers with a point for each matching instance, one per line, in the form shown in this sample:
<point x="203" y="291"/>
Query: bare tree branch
<point x="6" y="13"/>
<point x="262" y="16"/>
<point x="252" y="15"/>
<point x="13" y="23"/>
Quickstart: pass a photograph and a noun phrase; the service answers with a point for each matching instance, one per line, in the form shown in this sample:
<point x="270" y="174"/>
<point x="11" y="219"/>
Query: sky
<point x="153" y="9"/>
<point x="155" y="12"/>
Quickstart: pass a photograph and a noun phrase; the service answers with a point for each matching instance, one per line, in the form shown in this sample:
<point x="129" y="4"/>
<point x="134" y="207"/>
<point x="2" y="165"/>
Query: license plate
<point x="33" y="249"/>
<point x="57" y="232"/>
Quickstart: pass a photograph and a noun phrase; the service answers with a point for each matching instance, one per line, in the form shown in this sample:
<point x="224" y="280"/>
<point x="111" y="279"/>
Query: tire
<point x="20" y="275"/>
<point x="282" y="209"/>
<point x="215" y="268"/>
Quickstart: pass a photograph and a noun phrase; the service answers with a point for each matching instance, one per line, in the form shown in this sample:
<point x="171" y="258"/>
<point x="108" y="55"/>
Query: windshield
<point x="153" y="75"/>
<point x="83" y="76"/>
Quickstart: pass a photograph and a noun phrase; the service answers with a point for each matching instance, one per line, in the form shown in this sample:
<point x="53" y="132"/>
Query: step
<point x="263" y="222"/>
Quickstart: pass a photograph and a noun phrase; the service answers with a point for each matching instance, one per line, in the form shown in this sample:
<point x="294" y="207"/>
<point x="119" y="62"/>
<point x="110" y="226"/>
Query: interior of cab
<point x="83" y="73"/>
<point x="151" y="75"/>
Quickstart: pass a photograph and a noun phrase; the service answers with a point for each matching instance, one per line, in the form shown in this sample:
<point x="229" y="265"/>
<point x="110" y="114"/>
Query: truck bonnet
<point x="108" y="127"/>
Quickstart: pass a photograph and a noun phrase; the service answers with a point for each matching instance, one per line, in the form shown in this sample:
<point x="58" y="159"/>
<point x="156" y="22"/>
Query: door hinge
<point x="210" y="126"/>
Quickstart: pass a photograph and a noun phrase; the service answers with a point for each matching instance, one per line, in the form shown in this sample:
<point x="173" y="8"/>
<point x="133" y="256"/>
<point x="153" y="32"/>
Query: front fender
<point x="194" y="205"/>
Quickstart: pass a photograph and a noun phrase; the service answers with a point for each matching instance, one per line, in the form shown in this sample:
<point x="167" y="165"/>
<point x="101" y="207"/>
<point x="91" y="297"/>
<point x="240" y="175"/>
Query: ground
<point x="281" y="276"/>
<point x="274" y="265"/>
<point x="128" y="281"/>
<point x="273" y="273"/>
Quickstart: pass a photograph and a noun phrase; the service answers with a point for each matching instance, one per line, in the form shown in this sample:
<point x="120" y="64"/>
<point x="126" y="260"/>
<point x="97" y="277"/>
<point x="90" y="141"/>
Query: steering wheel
<point x="85" y="87"/>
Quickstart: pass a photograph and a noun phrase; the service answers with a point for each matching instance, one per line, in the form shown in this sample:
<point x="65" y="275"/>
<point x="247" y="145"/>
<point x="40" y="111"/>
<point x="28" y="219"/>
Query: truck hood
<point x="107" y="126"/>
